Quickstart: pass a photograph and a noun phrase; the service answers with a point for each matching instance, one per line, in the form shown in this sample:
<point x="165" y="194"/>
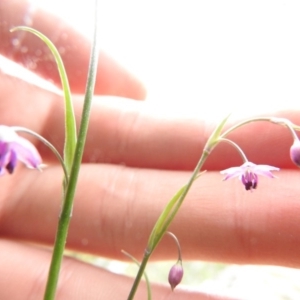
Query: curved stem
<point x="177" y="243"/>
<point x="267" y="119"/>
<point x="290" y="127"/>
<point x="238" y="148"/>
<point x="279" y="121"/>
<point x="48" y="144"/>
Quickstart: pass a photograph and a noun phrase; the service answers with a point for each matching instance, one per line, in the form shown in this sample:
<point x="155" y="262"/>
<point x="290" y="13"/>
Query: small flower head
<point x="295" y="152"/>
<point x="14" y="148"/>
<point x="248" y="173"/>
<point x="175" y="275"/>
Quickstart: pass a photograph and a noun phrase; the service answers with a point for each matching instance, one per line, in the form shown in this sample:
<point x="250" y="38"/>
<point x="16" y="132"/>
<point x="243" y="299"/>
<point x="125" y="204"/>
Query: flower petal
<point x="247" y="165"/>
<point x="265" y="170"/>
<point x="26" y="152"/>
<point x="248" y="173"/>
<point x="12" y="162"/>
<point x="232" y="172"/>
<point x="7" y="134"/>
<point x="4" y="155"/>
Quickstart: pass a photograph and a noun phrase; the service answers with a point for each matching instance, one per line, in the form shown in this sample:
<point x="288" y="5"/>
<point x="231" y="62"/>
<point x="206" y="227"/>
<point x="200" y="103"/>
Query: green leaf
<point x="214" y="137"/>
<point x="70" y="124"/>
<point x="166" y="217"/>
<point x="157" y="230"/>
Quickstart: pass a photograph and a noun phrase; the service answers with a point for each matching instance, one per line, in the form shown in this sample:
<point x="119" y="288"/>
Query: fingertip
<point x="115" y="80"/>
<point x="26" y="49"/>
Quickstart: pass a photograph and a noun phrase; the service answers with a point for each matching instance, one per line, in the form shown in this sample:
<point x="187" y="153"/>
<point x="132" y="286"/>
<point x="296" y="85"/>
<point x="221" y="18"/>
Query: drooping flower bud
<point x="175" y="275"/>
<point x="295" y="152"/>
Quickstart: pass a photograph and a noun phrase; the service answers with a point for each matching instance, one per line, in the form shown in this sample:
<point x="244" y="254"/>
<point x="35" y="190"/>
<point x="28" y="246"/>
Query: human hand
<point x="135" y="160"/>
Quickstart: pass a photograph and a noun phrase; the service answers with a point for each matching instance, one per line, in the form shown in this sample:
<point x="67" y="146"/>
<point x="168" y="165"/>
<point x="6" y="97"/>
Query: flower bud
<point x="175" y="275"/>
<point x="295" y="153"/>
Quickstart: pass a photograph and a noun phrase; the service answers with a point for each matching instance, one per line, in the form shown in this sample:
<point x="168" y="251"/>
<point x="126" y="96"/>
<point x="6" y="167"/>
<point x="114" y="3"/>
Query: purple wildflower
<point x="248" y="173"/>
<point x="175" y="275"/>
<point x="295" y="152"/>
<point x="14" y="148"/>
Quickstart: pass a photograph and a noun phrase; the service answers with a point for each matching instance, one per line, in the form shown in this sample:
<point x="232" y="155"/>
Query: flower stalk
<point x="295" y="148"/>
<point x="236" y="146"/>
<point x="46" y="143"/>
<point x="247" y="173"/>
<point x="176" y="272"/>
<point x="171" y="209"/>
<point x="163" y="223"/>
<point x="64" y="220"/>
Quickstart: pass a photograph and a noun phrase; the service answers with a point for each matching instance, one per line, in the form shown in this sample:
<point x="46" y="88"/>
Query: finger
<point x="116" y="208"/>
<point x="25" y="268"/>
<point x="27" y="49"/>
<point x="140" y="135"/>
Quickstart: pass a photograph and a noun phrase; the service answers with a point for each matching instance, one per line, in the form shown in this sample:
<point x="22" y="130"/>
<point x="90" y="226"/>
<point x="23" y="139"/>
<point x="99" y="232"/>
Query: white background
<point x="208" y="56"/>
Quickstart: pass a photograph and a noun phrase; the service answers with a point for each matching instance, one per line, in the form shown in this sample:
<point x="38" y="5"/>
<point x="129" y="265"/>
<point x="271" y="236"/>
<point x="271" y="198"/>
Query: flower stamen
<point x="248" y="173"/>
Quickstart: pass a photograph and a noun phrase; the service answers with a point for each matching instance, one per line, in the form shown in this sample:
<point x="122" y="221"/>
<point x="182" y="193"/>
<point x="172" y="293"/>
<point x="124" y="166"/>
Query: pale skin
<point x="128" y="175"/>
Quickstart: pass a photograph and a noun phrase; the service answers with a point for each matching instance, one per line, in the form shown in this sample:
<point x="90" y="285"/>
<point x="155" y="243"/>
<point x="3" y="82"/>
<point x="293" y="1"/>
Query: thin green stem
<point x="173" y="213"/>
<point x="279" y="121"/>
<point x="268" y="119"/>
<point x="290" y="127"/>
<point x="139" y="275"/>
<point x="177" y="244"/>
<point x="236" y="146"/>
<point x="65" y="216"/>
<point x="169" y="219"/>
<point x="145" y="275"/>
<point x="171" y="209"/>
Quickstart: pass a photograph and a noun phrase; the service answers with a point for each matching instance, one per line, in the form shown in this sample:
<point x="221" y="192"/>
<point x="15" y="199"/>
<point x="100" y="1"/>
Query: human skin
<point x="128" y="175"/>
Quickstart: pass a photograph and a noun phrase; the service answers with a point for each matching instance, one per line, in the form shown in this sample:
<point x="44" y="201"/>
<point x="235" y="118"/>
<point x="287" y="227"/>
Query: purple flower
<point x="248" y="173"/>
<point x="14" y="148"/>
<point x="295" y="152"/>
<point x="175" y="275"/>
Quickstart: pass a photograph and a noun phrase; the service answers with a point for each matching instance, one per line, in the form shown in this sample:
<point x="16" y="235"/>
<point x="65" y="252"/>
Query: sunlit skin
<point x="127" y="177"/>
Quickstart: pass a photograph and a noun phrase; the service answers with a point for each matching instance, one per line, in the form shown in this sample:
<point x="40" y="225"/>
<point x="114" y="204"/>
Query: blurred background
<point x="204" y="58"/>
<point x="238" y="56"/>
